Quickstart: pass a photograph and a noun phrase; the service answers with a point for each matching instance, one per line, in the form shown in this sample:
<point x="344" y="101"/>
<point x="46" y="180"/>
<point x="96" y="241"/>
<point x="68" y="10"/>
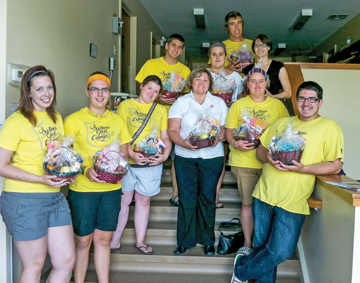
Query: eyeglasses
<point x="309" y="99"/>
<point x="262" y="45"/>
<point x="96" y="90"/>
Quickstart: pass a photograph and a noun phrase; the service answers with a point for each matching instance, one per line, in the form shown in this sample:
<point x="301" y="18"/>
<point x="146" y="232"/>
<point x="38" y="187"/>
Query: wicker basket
<point x="110" y="177"/>
<point x="201" y="143"/>
<point x="255" y="142"/>
<point x="58" y="176"/>
<point x="226" y="96"/>
<point x="169" y="94"/>
<point x="287" y="156"/>
<point x="147" y="154"/>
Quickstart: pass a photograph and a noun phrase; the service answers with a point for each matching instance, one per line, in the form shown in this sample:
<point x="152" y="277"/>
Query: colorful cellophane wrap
<point x="251" y="129"/>
<point x="244" y="55"/>
<point x="205" y="131"/>
<point x="173" y="85"/>
<point x="152" y="144"/>
<point x="61" y="160"/>
<point x="223" y="87"/>
<point x="287" y="146"/>
<point x="110" y="163"/>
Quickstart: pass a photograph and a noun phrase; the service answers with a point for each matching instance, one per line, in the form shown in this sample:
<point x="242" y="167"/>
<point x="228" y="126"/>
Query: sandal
<point x="244" y="251"/>
<point x="144" y="250"/>
<point x="174" y="201"/>
<point x="219" y="205"/>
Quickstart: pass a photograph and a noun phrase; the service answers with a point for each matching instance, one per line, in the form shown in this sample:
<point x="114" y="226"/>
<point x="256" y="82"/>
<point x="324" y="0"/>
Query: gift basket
<point x="287" y="146"/>
<point x="250" y="130"/>
<point x="243" y="55"/>
<point x="152" y="145"/>
<point x="110" y="164"/>
<point x="62" y="161"/>
<point x="224" y="87"/>
<point x="173" y="86"/>
<point x="205" y="132"/>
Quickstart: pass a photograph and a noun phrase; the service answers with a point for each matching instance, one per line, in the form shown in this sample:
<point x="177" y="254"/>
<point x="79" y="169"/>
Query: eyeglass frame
<point x="97" y="90"/>
<point x="303" y="99"/>
<point x="262" y="45"/>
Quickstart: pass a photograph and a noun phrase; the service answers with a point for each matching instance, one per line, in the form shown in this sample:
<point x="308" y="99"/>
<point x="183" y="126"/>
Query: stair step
<point x="157" y="277"/>
<point x="193" y="261"/>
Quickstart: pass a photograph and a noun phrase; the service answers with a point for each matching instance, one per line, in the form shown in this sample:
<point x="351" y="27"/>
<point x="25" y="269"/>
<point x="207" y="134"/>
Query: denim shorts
<point x="94" y="210"/>
<point x="28" y="216"/>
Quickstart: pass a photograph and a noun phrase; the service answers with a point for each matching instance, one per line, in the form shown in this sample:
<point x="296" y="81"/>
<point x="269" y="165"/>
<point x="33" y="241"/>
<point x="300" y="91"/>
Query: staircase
<point x="128" y="265"/>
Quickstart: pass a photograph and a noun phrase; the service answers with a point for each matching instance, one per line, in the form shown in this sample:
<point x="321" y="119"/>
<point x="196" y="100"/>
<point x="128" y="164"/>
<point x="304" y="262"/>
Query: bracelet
<point x="83" y="170"/>
<point x="234" y="143"/>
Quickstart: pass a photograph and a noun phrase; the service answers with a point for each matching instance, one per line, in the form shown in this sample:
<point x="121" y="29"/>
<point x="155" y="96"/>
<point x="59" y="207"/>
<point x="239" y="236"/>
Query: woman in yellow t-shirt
<point x="35" y="212"/>
<point x="144" y="177"/>
<point x="94" y="204"/>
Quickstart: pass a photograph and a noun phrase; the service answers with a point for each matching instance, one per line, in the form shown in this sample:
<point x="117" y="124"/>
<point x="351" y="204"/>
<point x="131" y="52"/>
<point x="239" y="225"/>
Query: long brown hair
<point x="26" y="106"/>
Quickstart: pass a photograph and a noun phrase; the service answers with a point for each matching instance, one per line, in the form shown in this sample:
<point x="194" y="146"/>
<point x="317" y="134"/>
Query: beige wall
<point x="145" y="25"/>
<point x="57" y="34"/>
<point x="341" y="103"/>
<point x="339" y="37"/>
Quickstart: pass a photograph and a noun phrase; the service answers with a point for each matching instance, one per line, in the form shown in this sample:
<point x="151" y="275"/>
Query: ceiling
<point x="273" y="18"/>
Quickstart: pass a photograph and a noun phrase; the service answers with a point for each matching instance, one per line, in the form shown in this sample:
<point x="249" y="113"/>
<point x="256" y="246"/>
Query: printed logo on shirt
<point x="260" y="114"/>
<point x="46" y="134"/>
<point x="98" y="135"/>
<point x="136" y="118"/>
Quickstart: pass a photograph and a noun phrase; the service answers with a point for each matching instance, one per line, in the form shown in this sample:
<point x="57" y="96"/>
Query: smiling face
<point x="217" y="57"/>
<point x="261" y="51"/>
<point x="41" y="93"/>
<point x="200" y="85"/>
<point x="308" y="111"/>
<point x="149" y="92"/>
<point x="235" y="26"/>
<point x="174" y="48"/>
<point x="257" y="85"/>
<point x="99" y="93"/>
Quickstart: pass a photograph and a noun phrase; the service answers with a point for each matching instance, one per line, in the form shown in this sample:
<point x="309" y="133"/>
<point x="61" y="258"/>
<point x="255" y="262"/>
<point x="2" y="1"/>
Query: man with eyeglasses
<point x="280" y="196"/>
<point x="234" y="24"/>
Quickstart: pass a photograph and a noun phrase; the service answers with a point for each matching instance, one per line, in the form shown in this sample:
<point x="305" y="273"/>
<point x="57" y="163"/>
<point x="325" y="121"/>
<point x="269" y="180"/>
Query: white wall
<point x="58" y="34"/>
<point x="341" y="103"/>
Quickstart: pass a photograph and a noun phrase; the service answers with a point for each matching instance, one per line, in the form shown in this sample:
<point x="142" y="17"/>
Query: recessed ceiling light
<point x="337" y="17"/>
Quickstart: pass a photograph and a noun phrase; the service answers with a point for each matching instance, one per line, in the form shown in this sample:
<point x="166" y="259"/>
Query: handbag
<point x="229" y="244"/>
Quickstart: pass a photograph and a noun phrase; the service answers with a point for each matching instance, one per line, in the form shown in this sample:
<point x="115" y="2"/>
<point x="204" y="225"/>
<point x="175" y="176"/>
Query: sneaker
<point x="234" y="279"/>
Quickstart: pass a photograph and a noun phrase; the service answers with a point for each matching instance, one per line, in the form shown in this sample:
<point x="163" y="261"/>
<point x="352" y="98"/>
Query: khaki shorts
<point x="246" y="179"/>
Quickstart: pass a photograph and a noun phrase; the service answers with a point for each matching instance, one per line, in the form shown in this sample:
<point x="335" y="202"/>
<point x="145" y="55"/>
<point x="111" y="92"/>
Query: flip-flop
<point x="219" y="206"/>
<point x="145" y="248"/>
<point x="174" y="201"/>
<point x="244" y="251"/>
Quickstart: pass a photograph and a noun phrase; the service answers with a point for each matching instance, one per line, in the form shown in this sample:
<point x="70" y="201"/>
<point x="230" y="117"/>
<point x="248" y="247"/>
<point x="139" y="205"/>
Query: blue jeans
<point x="276" y="233"/>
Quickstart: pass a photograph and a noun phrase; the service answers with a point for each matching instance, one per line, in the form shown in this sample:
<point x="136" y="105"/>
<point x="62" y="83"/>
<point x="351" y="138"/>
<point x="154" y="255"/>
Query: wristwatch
<point x="234" y="143"/>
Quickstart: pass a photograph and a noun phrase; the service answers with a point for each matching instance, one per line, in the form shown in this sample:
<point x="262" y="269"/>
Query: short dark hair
<point x="264" y="39"/>
<point x="197" y="73"/>
<point x="232" y="15"/>
<point x="310" y="85"/>
<point x="175" y="36"/>
<point x="155" y="79"/>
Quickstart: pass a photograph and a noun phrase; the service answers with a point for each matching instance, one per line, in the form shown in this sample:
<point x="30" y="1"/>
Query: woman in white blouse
<point x="197" y="170"/>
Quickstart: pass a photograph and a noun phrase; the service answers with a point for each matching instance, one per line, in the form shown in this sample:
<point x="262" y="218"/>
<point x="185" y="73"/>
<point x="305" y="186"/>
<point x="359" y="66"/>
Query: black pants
<point x="197" y="179"/>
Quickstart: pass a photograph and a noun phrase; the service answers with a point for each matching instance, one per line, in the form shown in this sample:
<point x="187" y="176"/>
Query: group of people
<point x="274" y="195"/>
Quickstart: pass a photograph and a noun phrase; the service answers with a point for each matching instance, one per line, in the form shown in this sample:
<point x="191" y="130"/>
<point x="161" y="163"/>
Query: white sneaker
<point x="234" y="279"/>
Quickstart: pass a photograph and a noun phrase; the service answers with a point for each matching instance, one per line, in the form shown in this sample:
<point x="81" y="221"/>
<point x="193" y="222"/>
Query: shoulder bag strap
<point x="147" y="118"/>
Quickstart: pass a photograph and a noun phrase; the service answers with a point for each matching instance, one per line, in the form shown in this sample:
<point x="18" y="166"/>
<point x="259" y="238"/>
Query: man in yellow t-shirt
<point x="280" y="197"/>
<point x="234" y="24"/>
<point x="167" y="68"/>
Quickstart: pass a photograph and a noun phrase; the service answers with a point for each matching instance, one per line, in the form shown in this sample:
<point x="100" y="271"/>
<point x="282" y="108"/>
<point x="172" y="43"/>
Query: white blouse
<point x="188" y="110"/>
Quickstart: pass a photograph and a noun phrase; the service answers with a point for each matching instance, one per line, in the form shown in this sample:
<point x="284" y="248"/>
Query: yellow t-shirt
<point x="232" y="46"/>
<point x="92" y="133"/>
<point x="29" y="144"/>
<point x="290" y="190"/>
<point x="269" y="111"/>
<point x="163" y="70"/>
<point x="134" y="114"/>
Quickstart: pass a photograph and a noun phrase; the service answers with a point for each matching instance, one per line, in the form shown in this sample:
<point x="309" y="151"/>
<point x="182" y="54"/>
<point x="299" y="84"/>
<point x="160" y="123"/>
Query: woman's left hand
<point x="157" y="159"/>
<point x="217" y="140"/>
<point x="267" y="93"/>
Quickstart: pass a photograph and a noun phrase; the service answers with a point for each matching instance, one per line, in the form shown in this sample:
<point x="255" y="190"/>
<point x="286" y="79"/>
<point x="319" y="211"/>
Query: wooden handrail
<point x="296" y="78"/>
<point x="314" y="203"/>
